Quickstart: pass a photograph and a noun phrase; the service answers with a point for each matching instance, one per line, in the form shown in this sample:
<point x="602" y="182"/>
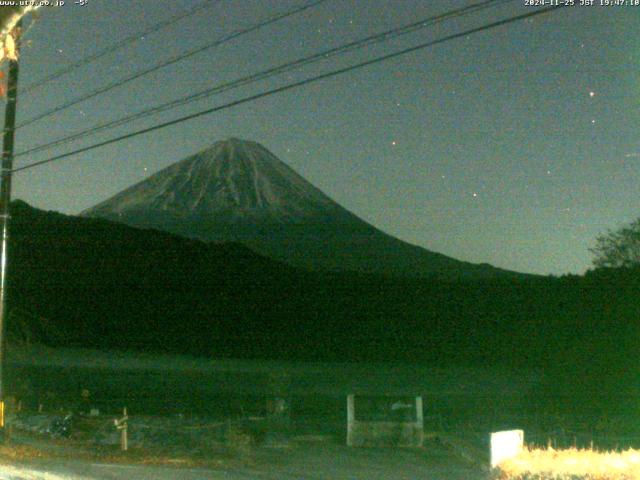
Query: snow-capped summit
<point x="233" y="179"/>
<point x="237" y="190"/>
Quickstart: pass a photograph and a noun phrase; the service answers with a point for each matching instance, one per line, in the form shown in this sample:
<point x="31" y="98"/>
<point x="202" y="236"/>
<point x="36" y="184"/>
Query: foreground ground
<point x="313" y="460"/>
<point x="208" y="419"/>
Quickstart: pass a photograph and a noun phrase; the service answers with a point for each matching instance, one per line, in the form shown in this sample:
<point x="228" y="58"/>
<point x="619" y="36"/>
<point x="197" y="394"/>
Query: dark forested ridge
<point x="93" y="283"/>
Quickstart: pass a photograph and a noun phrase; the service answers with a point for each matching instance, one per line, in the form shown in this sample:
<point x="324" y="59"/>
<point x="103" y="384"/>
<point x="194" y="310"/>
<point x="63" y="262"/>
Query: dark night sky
<point x="516" y="146"/>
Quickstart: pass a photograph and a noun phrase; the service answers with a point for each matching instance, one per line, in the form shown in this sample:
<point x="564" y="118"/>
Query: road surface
<point x="318" y="462"/>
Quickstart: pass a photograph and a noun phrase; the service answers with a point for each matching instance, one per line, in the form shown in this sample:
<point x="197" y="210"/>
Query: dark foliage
<point x="618" y="248"/>
<point x="94" y="283"/>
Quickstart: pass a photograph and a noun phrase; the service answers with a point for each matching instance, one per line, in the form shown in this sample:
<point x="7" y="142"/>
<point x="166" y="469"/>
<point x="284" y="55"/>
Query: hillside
<point x="94" y="283"/>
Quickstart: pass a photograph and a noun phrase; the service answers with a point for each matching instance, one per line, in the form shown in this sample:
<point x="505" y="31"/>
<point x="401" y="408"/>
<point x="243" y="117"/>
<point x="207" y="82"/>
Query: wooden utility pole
<point x="123" y="425"/>
<point x="5" y="200"/>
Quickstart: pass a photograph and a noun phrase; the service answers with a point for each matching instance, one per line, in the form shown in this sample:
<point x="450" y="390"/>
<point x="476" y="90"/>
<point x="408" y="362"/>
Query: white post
<point x="419" y="420"/>
<point x="350" y="419"/>
<point x="505" y="445"/>
<point x="124" y="439"/>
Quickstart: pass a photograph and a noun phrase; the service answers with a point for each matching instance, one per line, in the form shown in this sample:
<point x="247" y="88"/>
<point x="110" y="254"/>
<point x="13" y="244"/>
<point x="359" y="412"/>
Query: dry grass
<point x="572" y="464"/>
<point x="20" y="452"/>
<point x="38" y="447"/>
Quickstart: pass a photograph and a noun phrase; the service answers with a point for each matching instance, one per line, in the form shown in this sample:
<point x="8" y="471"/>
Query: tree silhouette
<point x="618" y="248"/>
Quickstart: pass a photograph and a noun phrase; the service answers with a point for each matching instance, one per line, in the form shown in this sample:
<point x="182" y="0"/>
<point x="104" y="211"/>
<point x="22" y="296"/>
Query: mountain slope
<point x="101" y="284"/>
<point x="239" y="191"/>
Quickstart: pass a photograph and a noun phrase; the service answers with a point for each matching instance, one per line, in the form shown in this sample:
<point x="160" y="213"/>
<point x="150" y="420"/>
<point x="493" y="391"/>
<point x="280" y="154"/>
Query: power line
<point x="321" y="56"/>
<point x="117" y="46"/>
<point x="171" y="61"/>
<point x="293" y="85"/>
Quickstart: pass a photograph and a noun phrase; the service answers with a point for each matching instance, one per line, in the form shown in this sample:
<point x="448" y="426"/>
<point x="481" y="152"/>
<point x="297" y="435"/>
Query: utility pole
<point x="5" y="200"/>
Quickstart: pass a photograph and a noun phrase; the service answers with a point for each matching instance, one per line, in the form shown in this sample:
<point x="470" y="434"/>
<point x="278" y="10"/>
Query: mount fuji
<point x="238" y="191"/>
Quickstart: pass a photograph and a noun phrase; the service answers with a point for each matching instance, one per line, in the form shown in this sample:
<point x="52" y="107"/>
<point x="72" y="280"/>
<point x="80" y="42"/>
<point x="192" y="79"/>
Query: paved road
<point x="321" y="462"/>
